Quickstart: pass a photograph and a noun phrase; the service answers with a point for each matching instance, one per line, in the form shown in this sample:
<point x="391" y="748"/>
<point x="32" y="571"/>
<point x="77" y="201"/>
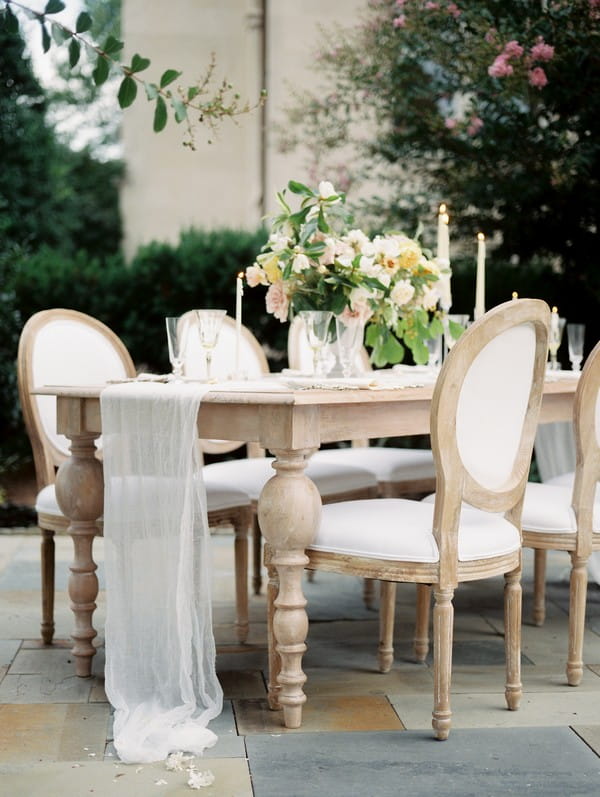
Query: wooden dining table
<point x="291" y="424"/>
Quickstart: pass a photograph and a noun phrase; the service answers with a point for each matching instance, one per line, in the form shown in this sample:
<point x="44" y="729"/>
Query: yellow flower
<point x="410" y="256"/>
<point x="271" y="268"/>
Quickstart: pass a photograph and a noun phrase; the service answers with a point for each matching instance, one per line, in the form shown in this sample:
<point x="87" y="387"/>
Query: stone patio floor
<point x="363" y="733"/>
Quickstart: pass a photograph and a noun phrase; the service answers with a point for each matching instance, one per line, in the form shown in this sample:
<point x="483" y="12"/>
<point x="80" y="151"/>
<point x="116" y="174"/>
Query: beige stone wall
<point x="167" y="187"/>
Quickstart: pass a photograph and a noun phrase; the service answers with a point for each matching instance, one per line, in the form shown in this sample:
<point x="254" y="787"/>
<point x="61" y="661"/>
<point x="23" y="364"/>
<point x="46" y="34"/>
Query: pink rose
<point x="500" y="67"/>
<point x="255" y="276"/>
<point x="475" y="126"/>
<point x="454" y="10"/>
<point x="277" y="301"/>
<point x="449" y="124"/>
<point x="399" y="22"/>
<point x="537" y="77"/>
<point x="513" y="49"/>
<point x="490" y="36"/>
<point x="542" y="51"/>
<point x="432" y="6"/>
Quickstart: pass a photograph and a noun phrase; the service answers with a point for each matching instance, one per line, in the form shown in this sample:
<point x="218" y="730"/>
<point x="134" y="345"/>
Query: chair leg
<point x="421" y="643"/>
<point x="256" y="555"/>
<point x="577" y="603"/>
<point x="47" y="572"/>
<point x="240" y="528"/>
<point x="512" y="638"/>
<point x="273" y="657"/>
<point x="387" y="610"/>
<point x="539" y="586"/>
<point x="443" y="628"/>
<point x="369" y="592"/>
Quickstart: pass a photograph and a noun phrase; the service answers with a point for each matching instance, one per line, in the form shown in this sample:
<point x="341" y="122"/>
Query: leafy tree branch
<point x="199" y="103"/>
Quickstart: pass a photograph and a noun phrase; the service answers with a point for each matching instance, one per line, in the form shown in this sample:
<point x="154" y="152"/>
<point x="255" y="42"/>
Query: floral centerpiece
<point x="314" y="260"/>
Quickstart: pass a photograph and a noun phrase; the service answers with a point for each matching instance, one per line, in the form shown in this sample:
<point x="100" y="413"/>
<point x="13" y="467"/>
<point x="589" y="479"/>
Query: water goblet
<point x="434" y="347"/>
<point x="349" y="330"/>
<point x="575" y="337"/>
<point x="209" y="325"/>
<point x="557" y="326"/>
<point x="316" y="325"/>
<point x="177" y="334"/>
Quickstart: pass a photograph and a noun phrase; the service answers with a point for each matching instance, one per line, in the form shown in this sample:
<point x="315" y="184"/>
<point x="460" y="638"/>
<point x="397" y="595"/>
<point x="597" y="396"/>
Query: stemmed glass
<point x="316" y="325"/>
<point x="349" y="331"/>
<point x="209" y="325"/>
<point x="177" y="334"/>
<point x="557" y="326"/>
<point x="434" y="347"/>
<point x="575" y="337"/>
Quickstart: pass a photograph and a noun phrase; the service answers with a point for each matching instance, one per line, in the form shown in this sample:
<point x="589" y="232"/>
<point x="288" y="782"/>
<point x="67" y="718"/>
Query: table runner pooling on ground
<point x="160" y="649"/>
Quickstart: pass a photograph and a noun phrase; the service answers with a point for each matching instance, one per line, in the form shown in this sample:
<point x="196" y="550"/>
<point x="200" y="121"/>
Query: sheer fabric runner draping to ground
<point x="160" y="649"/>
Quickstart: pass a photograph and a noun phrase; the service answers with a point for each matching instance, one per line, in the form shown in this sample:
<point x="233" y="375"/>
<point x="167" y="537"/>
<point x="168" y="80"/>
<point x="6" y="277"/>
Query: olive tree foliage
<point x="491" y="107"/>
<point x="202" y="102"/>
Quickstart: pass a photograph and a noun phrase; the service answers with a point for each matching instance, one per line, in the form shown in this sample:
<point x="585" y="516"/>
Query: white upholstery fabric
<point x="548" y="508"/>
<point x="399" y="529"/>
<point x="69" y="353"/>
<point x="554" y="449"/>
<point x="46" y="501"/>
<point x="250" y="475"/>
<point x="490" y="410"/>
<point x="388" y="464"/>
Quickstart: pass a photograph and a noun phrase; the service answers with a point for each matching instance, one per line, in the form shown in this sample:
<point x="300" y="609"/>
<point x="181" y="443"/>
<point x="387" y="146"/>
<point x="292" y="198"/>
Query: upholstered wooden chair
<point x="400" y="472"/>
<point x="335" y="482"/>
<point x="70" y="348"/>
<point x="564" y="514"/>
<point x="483" y="418"/>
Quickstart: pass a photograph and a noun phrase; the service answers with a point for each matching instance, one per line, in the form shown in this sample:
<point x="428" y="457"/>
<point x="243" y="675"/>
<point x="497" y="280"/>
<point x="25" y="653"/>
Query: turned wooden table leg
<point x="80" y="495"/>
<point x="289" y="511"/>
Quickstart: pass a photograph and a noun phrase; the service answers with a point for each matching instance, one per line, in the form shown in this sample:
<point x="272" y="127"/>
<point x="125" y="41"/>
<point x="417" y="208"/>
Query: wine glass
<point x="434" y="347"/>
<point x="454" y="327"/>
<point x="209" y="325"/>
<point x="575" y="337"/>
<point x="177" y="334"/>
<point x="316" y="325"/>
<point x="349" y="331"/>
<point x="557" y="326"/>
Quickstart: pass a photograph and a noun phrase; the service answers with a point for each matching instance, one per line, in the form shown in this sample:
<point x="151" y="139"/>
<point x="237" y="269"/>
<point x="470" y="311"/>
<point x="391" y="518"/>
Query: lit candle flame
<point x="480" y="236"/>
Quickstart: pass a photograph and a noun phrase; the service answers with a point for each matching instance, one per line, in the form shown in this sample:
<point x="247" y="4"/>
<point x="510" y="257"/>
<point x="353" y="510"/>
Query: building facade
<point x="232" y="181"/>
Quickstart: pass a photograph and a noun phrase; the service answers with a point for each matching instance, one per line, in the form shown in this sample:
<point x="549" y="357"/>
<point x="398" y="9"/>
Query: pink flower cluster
<point x="501" y="67"/>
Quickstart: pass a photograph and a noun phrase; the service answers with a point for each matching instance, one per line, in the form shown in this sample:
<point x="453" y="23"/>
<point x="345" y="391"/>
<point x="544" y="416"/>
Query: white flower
<point x="430" y="298"/>
<point x="199" y="779"/>
<point x="300" y="263"/>
<point x="358" y="239"/>
<point x="366" y="266"/>
<point x="402" y="292"/>
<point x="326" y="190"/>
<point x="328" y="255"/>
<point x="384" y="277"/>
<point x="388" y="247"/>
<point x="176" y="761"/>
<point x="278" y="242"/>
<point x="359" y="302"/>
<point x="368" y="249"/>
<point x="343" y="249"/>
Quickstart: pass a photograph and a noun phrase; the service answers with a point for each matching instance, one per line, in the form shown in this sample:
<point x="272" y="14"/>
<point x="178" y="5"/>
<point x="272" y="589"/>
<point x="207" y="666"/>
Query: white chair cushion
<point x="388" y="464"/>
<point x="547" y="508"/>
<point x="399" y="529"/>
<point x="250" y="475"/>
<point x="219" y="496"/>
<point x="46" y="502"/>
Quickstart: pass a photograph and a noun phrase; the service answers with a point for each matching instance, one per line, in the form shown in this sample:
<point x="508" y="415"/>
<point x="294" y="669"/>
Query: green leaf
<point x="391" y="352"/>
<point x="138" y="64"/>
<point x="59" y="35"/>
<point x="322" y="222"/>
<point x="193" y="91"/>
<point x="160" y="115"/>
<point x="179" y="108"/>
<point x="46" y="41"/>
<point x="54" y="7"/>
<point x="100" y="73"/>
<point x="372" y="335"/>
<point x="10" y="21"/>
<point x="338" y="303"/>
<point x="151" y="91"/>
<point x="300" y="188"/>
<point x="455" y="329"/>
<point x="112" y="46"/>
<point x="127" y="92"/>
<point x="168" y="77"/>
<point x="420" y="352"/>
<point x="84" y="22"/>
<point x="436" y="328"/>
<point x="74" y="52"/>
<point x="299" y="218"/>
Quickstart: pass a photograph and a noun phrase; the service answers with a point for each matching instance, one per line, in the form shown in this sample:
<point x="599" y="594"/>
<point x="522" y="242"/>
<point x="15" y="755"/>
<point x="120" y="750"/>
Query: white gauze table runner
<point x="160" y="649"/>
